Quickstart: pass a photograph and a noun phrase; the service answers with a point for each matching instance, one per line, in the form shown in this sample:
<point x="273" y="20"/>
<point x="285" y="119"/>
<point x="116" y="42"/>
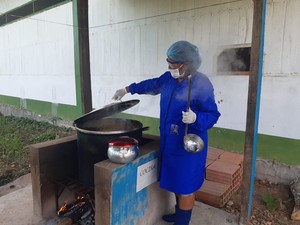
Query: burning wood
<point x="63" y="209"/>
<point x="81" y="212"/>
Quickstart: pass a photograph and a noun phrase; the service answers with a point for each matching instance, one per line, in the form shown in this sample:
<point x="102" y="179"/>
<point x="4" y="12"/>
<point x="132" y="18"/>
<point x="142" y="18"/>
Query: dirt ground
<point x="260" y="213"/>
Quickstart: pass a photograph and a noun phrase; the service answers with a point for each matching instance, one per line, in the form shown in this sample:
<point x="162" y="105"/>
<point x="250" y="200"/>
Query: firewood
<point x="64" y="221"/>
<point x="295" y="188"/>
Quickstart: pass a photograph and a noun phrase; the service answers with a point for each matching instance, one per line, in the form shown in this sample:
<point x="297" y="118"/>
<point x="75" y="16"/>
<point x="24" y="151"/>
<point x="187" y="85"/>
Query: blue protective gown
<point x="181" y="172"/>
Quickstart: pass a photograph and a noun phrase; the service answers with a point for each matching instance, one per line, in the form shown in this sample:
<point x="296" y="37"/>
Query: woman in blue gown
<point x="181" y="172"/>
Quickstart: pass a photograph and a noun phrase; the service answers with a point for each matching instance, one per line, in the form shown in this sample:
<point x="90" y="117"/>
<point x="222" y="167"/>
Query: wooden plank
<point x="251" y="111"/>
<point x="103" y="192"/>
<point x="84" y="55"/>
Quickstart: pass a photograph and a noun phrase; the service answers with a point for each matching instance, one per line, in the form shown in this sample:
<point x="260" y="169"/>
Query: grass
<point x="16" y="134"/>
<point x="271" y="202"/>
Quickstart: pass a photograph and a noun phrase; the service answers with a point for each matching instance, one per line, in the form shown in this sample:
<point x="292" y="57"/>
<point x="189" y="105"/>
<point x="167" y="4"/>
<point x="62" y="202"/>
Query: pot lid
<point x="106" y="110"/>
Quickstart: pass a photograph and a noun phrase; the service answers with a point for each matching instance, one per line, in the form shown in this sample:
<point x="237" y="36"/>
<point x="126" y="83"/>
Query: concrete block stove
<point x="124" y="194"/>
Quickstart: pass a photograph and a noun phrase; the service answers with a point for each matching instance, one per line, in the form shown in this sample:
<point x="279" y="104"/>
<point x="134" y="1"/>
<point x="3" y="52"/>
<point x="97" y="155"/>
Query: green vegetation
<point x="271" y="202"/>
<point x="16" y="134"/>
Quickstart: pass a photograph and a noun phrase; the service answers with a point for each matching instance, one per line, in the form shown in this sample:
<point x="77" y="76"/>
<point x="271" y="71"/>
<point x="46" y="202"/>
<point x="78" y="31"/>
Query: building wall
<point x="37" y="57"/>
<point x="128" y="41"/>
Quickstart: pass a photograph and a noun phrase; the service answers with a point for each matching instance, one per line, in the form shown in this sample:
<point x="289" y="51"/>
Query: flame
<point x="63" y="208"/>
<point x="78" y="197"/>
<point x="80" y="201"/>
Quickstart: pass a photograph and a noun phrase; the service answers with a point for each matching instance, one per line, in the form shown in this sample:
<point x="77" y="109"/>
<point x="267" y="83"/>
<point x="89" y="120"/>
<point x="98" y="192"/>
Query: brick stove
<point x="117" y="198"/>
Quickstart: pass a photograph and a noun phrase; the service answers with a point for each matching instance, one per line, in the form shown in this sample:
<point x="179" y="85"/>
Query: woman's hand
<point x="119" y="94"/>
<point x="189" y="116"/>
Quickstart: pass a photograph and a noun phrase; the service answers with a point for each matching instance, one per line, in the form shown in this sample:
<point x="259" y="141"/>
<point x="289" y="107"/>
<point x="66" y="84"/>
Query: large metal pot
<point x="93" y="138"/>
<point x="95" y="130"/>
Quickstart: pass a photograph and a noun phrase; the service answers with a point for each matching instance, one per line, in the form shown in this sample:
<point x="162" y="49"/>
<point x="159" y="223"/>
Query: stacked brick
<point x="223" y="177"/>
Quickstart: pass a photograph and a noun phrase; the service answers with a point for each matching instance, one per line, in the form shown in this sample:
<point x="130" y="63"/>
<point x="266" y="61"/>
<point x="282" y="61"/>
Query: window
<point x="234" y="61"/>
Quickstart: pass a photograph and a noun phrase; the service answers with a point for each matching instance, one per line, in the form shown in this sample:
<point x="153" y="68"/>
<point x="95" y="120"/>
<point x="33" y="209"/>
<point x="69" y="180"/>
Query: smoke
<point x="234" y="60"/>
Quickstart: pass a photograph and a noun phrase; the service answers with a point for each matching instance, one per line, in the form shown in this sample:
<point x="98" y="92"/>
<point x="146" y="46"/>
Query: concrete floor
<point x="207" y="215"/>
<point x="16" y="208"/>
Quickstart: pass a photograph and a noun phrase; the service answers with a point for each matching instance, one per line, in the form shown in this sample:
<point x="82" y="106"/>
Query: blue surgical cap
<point x="184" y="51"/>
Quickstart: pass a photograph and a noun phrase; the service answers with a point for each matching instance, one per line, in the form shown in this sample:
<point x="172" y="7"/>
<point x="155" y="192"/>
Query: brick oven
<point x="122" y="193"/>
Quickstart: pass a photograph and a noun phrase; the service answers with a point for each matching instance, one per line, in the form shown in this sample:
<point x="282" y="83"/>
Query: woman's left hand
<point x="189" y="116"/>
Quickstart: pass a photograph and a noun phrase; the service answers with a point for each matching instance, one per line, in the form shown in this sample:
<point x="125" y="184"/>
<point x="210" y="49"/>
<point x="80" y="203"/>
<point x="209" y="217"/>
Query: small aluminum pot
<point x="122" y="150"/>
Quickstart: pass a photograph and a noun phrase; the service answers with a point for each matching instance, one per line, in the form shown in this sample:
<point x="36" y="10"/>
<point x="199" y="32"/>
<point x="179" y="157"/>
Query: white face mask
<point x="175" y="73"/>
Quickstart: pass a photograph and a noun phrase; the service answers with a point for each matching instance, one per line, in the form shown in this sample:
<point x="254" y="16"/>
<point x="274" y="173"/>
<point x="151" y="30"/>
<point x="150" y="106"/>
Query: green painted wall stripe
<point x="63" y="111"/>
<point x="66" y="112"/>
<point x="284" y="150"/>
<point x="227" y="139"/>
<point x="14" y="101"/>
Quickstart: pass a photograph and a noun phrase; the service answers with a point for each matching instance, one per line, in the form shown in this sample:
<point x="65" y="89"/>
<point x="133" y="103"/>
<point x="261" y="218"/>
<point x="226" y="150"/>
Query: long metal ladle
<point x="192" y="142"/>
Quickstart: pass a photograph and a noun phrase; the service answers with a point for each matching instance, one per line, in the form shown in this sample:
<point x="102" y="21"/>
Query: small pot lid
<point x="106" y="110"/>
<point x="123" y="142"/>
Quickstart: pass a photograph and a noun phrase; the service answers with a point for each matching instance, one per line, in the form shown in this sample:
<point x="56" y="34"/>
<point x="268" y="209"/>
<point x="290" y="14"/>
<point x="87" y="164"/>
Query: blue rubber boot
<point x="170" y="218"/>
<point x="182" y="217"/>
